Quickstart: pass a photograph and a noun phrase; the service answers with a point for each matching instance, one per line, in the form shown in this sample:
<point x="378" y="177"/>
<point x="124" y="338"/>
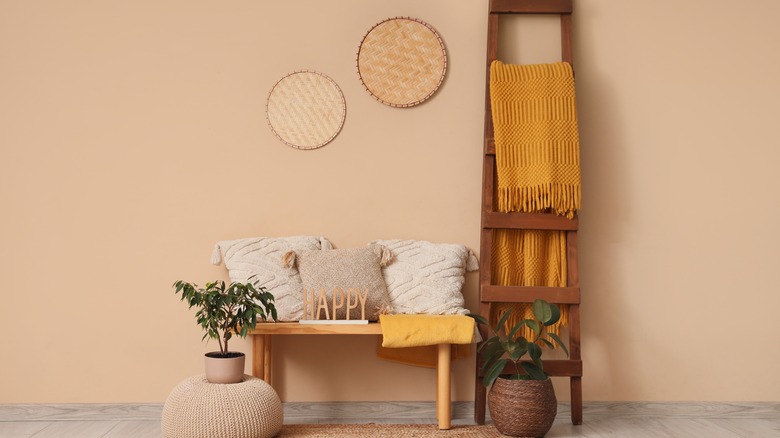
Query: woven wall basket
<point x="306" y="109"/>
<point x="401" y="61"/>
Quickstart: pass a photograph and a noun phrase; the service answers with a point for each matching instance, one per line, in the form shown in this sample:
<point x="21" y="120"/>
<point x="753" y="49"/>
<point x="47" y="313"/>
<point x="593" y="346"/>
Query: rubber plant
<point x="225" y="310"/>
<point x="511" y="347"/>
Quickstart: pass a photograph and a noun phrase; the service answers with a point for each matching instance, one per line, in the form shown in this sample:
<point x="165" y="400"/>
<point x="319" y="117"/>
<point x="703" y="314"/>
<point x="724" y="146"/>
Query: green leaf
<point x="490" y="343"/>
<point x="494" y="352"/>
<point x="494" y="372"/>
<point x="533" y="325"/>
<point x="523" y="342"/>
<point x="502" y="321"/>
<point x="534" y="372"/>
<point x="542" y="311"/>
<point x="547" y="343"/>
<point x="480" y="319"/>
<point x="518" y="352"/>
<point x="516" y="329"/>
<point x="489" y="364"/>
<point x="535" y="352"/>
<point x="556" y="315"/>
<point x="505" y="346"/>
<point x="559" y="342"/>
<point x="511" y="346"/>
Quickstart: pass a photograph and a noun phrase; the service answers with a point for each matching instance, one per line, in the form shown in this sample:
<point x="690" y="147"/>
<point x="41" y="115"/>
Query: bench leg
<point x="443" y="402"/>
<point x="261" y="357"/>
<point x="267" y="359"/>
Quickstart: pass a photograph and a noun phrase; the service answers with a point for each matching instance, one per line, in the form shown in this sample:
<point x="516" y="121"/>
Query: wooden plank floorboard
<point x="749" y="427"/>
<point x="76" y="429"/>
<point x="19" y="429"/>
<point x="766" y="410"/>
<point x="136" y="429"/>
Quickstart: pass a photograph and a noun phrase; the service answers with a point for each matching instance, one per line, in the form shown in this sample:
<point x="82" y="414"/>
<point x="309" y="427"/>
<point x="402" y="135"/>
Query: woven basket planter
<point x="522" y="408"/>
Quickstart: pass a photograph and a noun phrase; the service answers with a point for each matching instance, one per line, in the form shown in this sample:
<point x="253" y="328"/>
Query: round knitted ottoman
<point x="197" y="408"/>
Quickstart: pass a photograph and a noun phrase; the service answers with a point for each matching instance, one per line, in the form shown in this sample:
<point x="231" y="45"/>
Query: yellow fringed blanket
<point x="538" y="171"/>
<point x="528" y="258"/>
<point x="537" y="142"/>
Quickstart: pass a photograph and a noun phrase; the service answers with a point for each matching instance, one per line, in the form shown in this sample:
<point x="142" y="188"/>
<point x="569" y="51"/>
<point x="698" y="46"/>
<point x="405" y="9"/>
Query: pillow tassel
<point x="288" y="259"/>
<point x="216" y="256"/>
<point x="472" y="264"/>
<point x="387" y="256"/>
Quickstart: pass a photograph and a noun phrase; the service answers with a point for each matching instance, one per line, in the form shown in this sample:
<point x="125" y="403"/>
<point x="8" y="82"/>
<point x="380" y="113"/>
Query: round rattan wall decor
<point x="401" y="61"/>
<point x="306" y="109"/>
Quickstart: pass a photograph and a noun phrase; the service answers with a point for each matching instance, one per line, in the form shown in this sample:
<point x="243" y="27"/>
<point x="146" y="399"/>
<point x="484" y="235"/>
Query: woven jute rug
<point x="385" y="431"/>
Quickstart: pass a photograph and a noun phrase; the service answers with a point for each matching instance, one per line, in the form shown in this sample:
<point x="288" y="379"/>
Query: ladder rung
<point x="529" y="221"/>
<point x="530" y="6"/>
<point x="557" y="367"/>
<point x="527" y="294"/>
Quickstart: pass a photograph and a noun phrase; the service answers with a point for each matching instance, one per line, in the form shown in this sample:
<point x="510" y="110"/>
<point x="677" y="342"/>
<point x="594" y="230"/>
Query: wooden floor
<point x="602" y="419"/>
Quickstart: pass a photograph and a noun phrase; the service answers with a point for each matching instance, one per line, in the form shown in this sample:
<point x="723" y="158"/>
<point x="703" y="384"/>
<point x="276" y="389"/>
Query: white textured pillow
<point x="261" y="257"/>
<point x="427" y="277"/>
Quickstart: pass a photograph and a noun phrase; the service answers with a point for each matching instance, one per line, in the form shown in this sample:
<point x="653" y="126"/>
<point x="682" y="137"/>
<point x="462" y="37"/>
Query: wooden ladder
<point x="491" y="220"/>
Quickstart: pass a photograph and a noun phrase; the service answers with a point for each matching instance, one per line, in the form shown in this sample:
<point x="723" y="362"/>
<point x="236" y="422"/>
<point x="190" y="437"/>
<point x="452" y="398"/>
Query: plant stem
<point x="220" y="343"/>
<point x="226" y="327"/>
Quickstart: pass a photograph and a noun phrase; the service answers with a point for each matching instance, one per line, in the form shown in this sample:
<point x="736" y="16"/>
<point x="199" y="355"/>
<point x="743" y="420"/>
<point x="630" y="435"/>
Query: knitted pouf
<point x="197" y="408"/>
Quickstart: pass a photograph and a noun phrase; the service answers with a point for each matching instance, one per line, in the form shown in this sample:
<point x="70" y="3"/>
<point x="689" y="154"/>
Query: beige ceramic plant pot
<point x="225" y="369"/>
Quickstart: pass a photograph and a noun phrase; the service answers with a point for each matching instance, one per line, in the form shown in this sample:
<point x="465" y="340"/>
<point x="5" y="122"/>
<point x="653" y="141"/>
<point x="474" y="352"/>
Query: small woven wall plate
<point x="306" y="109"/>
<point x="401" y="61"/>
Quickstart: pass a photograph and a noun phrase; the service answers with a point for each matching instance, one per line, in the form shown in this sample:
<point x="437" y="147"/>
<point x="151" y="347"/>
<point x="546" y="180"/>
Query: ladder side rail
<point x="492" y="55"/>
<point x="575" y="338"/>
<point x="486" y="238"/>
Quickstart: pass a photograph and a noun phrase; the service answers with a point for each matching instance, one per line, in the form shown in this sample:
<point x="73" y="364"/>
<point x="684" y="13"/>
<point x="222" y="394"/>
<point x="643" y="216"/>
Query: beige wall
<point x="133" y="137"/>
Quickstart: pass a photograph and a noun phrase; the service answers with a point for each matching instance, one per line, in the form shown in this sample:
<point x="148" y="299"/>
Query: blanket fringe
<point x="561" y="199"/>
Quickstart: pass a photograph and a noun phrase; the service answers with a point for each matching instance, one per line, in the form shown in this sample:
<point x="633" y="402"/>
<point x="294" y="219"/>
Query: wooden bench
<point x="261" y="355"/>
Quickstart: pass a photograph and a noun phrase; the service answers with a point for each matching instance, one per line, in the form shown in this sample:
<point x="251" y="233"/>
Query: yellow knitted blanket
<point x="400" y="331"/>
<point x="528" y="258"/>
<point x="538" y="170"/>
<point x="537" y="142"/>
<point x="412" y="339"/>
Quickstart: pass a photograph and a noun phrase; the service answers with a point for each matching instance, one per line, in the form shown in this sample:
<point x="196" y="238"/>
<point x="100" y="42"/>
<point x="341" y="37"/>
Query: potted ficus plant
<point x="521" y="403"/>
<point x="225" y="310"/>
